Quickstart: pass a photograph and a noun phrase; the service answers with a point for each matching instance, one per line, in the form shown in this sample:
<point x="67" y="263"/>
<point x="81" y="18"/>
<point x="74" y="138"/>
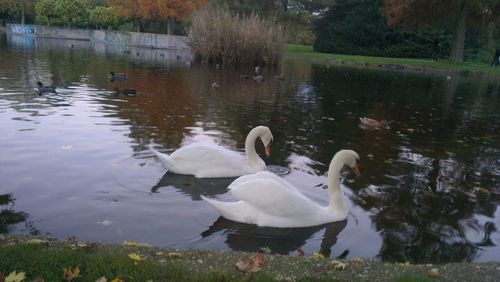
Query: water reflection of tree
<point x="10" y="217"/>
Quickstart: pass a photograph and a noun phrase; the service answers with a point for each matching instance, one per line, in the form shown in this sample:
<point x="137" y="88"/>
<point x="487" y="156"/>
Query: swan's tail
<point x="235" y="211"/>
<point x="164" y="158"/>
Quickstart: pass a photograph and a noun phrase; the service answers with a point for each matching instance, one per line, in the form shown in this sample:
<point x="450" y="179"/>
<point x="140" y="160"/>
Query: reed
<point x="218" y="36"/>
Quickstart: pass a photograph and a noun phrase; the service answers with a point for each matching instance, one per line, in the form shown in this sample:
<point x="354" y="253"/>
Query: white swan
<point x="205" y="160"/>
<point x="266" y="199"/>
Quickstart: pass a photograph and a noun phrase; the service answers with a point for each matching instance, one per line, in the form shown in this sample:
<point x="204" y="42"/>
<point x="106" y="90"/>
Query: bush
<point x="218" y="36"/>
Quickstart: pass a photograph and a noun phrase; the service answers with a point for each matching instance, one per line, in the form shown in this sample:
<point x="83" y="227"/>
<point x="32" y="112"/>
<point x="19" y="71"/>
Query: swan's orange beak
<point x="356" y="170"/>
<point x="268" y="150"/>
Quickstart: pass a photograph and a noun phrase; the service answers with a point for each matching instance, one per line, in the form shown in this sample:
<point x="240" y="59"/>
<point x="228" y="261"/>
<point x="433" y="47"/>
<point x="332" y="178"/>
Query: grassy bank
<point x="442" y="66"/>
<point x="42" y="259"/>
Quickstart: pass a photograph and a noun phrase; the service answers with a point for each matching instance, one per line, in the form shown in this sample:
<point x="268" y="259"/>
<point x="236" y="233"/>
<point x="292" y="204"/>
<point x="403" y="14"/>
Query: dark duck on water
<point x="41" y="89"/>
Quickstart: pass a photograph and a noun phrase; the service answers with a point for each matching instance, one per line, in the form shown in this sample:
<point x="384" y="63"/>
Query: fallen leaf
<point x="338" y="264"/>
<point x="37" y="241"/>
<point x="388" y="161"/>
<point x="102" y="279"/>
<point x="317" y="256"/>
<point x="174" y="255"/>
<point x="15" y="277"/>
<point x="433" y="272"/>
<point x="257" y="259"/>
<point x="135" y="244"/>
<point x="136" y="257"/>
<point x="358" y="260"/>
<point x="266" y="250"/>
<point x="117" y="280"/>
<point x="406" y="263"/>
<point x="246" y="266"/>
<point x="70" y="274"/>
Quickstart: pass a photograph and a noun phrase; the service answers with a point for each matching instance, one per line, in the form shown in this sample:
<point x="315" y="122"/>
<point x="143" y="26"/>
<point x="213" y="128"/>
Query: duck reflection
<point x="192" y="186"/>
<point x="249" y="237"/>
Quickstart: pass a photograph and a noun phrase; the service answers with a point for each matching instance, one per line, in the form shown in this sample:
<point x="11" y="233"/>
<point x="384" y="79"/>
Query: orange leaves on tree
<point x="155" y="9"/>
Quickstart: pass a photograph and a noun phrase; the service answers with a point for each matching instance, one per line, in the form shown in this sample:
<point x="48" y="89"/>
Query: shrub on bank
<point x="218" y="36"/>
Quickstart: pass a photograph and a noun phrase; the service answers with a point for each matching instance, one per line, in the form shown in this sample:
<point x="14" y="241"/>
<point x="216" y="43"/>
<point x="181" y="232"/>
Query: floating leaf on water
<point x="135" y="244"/>
<point x="70" y="274"/>
<point x="15" y="277"/>
<point x="317" y="256"/>
<point x="105" y="222"/>
<point x="370" y="156"/>
<point x="388" y="161"/>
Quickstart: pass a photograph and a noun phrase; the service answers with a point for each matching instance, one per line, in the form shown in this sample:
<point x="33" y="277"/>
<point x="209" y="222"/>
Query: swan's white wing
<point x="208" y="160"/>
<point x="270" y="194"/>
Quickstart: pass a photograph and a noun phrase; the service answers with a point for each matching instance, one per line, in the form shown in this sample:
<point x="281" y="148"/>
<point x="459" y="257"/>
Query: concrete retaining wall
<point x="137" y="39"/>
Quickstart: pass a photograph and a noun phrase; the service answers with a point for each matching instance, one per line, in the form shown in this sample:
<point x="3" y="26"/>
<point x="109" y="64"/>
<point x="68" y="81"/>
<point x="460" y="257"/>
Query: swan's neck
<point x="252" y="158"/>
<point x="336" y="198"/>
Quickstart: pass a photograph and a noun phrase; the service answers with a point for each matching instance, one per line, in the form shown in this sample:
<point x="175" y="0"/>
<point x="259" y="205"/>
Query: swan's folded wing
<point x="270" y="195"/>
<point x="205" y="154"/>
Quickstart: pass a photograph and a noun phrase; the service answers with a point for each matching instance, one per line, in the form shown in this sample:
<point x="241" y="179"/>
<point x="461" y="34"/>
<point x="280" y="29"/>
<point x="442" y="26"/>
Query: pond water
<point x="77" y="163"/>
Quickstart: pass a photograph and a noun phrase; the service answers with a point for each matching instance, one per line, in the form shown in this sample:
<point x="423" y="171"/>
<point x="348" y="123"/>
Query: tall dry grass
<point x="217" y="36"/>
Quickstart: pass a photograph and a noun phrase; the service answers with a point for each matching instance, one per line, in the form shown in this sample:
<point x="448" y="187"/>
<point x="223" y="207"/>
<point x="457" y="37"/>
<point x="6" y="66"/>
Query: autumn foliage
<point x="155" y="9"/>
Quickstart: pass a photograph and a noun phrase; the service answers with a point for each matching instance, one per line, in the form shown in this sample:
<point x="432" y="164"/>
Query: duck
<point x="125" y="91"/>
<point x="208" y="160"/>
<point x="118" y="75"/>
<point x="257" y="70"/>
<point x="258" y="78"/>
<point x="267" y="200"/>
<point x="41" y="89"/>
<point x="371" y="123"/>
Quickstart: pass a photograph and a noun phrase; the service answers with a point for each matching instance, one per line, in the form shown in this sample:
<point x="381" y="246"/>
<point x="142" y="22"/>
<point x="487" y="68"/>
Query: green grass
<point x="38" y="262"/>
<point x="307" y="52"/>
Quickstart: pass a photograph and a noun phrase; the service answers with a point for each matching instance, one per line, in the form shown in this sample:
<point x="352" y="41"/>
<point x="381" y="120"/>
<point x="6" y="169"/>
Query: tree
<point x="154" y="10"/>
<point x="104" y="16"/>
<point x="63" y="12"/>
<point x="459" y="14"/>
<point x="18" y="8"/>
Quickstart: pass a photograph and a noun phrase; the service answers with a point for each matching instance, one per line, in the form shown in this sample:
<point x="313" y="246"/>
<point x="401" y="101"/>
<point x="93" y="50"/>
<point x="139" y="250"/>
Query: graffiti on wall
<point x="22" y="29"/>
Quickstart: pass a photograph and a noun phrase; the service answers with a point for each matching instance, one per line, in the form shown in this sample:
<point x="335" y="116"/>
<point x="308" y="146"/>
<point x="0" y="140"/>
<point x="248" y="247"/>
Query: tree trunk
<point x="170" y="26"/>
<point x="457" y="49"/>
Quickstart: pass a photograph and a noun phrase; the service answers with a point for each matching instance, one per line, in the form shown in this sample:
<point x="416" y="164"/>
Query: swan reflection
<point x="249" y="237"/>
<point x="192" y="186"/>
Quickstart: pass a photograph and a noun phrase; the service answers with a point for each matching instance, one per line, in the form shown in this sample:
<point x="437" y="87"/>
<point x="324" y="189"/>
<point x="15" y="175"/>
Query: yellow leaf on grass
<point x="136" y="257"/>
<point x="174" y="255"/>
<point x="135" y="244"/>
<point x="358" y="260"/>
<point x="317" y="256"/>
<point x="15" y="277"/>
<point x="338" y="264"/>
<point x="117" y="280"/>
<point x="70" y="274"/>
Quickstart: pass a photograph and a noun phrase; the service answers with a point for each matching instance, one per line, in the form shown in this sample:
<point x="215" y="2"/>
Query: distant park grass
<point x="307" y="52"/>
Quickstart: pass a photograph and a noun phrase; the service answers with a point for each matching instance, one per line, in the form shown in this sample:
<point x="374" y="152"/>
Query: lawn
<point x="307" y="52"/>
